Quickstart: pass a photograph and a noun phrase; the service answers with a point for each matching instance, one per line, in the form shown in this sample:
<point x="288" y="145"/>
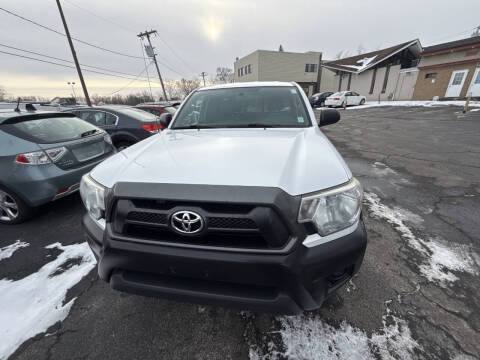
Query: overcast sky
<point x="205" y="34"/>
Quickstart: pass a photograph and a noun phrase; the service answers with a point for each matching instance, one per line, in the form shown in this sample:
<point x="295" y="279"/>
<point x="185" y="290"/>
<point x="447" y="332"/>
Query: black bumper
<point x="281" y="283"/>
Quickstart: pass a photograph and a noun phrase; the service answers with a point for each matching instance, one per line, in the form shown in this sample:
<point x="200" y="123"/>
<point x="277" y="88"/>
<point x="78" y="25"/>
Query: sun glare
<point x="212" y="29"/>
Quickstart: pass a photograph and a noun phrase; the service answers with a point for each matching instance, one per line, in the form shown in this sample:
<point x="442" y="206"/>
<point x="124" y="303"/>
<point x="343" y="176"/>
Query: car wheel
<point x="322" y="103"/>
<point x="122" y="145"/>
<point x="362" y="101"/>
<point x="343" y="104"/>
<point x="13" y="210"/>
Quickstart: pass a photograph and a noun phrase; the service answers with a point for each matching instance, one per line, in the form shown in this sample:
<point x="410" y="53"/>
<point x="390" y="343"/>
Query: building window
<point x="385" y="79"/>
<point x="477" y="79"/>
<point x="241" y="71"/>
<point x="431" y="76"/>
<point x="372" y="85"/>
<point x="457" y="79"/>
<point x="311" y="68"/>
<point x="238" y="71"/>
<point x="249" y="68"/>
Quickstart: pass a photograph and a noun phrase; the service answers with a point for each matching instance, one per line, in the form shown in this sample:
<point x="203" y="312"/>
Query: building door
<point x="456" y="83"/>
<point x="474" y="89"/>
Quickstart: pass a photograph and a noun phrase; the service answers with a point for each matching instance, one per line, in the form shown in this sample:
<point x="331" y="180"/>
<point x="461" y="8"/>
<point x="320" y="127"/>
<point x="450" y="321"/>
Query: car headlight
<point x="332" y="210"/>
<point x="93" y="196"/>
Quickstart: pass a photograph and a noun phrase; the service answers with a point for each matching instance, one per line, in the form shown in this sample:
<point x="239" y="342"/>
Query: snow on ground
<point x="309" y="337"/>
<point x="369" y="104"/>
<point x="7" y="251"/>
<point x="441" y="259"/>
<point x="31" y="305"/>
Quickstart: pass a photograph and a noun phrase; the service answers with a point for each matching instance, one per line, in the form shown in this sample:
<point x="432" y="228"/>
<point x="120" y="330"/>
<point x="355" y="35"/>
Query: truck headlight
<point x="93" y="196"/>
<point x="332" y="210"/>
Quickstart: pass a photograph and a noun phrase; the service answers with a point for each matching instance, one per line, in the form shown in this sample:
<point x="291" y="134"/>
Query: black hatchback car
<point x="318" y="100"/>
<point x="125" y="125"/>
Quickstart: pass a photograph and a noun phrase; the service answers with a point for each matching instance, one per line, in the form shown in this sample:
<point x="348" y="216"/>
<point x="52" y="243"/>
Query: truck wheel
<point x="13" y="210"/>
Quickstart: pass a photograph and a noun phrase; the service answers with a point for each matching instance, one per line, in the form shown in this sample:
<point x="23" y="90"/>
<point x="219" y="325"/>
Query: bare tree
<point x="224" y="74"/>
<point x="361" y="50"/>
<point x="339" y="55"/>
<point x="476" y="32"/>
<point x="187" y="86"/>
<point x="3" y="93"/>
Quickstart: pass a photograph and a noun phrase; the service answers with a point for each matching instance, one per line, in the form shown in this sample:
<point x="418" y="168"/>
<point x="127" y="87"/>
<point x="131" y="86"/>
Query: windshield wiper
<point x="198" y="127"/>
<point x="88" y="133"/>
<point x="259" y="125"/>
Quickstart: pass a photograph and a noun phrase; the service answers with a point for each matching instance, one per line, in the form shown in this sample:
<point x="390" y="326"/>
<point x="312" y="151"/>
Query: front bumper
<point x="281" y="283"/>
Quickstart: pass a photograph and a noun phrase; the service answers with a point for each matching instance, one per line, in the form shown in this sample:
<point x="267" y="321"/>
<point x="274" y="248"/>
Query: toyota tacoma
<point x="242" y="201"/>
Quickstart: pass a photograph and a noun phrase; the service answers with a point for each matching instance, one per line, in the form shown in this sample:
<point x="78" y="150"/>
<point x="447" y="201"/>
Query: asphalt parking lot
<point x="416" y="295"/>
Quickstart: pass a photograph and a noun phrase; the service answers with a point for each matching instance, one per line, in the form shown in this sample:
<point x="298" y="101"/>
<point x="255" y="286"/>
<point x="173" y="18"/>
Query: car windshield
<point x="53" y="130"/>
<point x="137" y="114"/>
<point x="276" y="106"/>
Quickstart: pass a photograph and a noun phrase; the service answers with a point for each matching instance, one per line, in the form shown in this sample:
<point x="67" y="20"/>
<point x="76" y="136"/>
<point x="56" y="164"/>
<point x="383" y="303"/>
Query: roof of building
<point x="362" y="62"/>
<point x="452" y="45"/>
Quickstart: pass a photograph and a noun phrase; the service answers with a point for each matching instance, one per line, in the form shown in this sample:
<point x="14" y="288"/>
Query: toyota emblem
<point x="186" y="222"/>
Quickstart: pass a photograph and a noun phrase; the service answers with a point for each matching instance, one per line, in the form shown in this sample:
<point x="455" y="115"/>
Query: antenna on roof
<point x="17" y="109"/>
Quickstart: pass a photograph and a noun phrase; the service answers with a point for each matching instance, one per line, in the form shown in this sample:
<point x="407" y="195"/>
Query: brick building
<point x="449" y="70"/>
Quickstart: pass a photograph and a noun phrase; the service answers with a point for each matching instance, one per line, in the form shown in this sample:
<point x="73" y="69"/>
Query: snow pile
<point x="309" y="337"/>
<point x="440" y="259"/>
<point x="364" y="63"/>
<point x="370" y="104"/>
<point x="31" y="305"/>
<point x="7" y="251"/>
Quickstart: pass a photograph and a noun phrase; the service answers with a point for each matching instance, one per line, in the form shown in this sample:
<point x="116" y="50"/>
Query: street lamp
<point x="72" y="84"/>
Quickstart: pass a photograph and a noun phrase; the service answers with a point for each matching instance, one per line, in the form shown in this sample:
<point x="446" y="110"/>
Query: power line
<point x="132" y="81"/>
<point x="60" y="59"/>
<point x="132" y="30"/>
<point x="62" y="34"/>
<point x="65" y="66"/>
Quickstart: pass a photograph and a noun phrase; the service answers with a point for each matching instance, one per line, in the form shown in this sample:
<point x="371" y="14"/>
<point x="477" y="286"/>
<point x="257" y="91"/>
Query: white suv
<point x="241" y="201"/>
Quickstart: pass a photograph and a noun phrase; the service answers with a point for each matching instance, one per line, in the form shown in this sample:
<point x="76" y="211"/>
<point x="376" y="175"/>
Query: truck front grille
<point x="226" y="225"/>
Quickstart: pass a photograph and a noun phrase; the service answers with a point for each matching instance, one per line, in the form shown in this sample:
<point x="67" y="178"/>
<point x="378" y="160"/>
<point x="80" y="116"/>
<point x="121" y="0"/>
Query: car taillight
<point x="336" y="98"/>
<point x="153" y="128"/>
<point x="41" y="157"/>
<point x="33" y="158"/>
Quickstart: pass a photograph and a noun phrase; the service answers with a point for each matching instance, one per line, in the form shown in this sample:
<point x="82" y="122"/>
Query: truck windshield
<point x="275" y="106"/>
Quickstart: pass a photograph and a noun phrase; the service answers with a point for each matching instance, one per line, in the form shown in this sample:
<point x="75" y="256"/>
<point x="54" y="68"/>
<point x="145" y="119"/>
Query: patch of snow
<point x="31" y="305"/>
<point x="364" y="63"/>
<point x="309" y="337"/>
<point x="440" y="258"/>
<point x="429" y="103"/>
<point x="7" y="251"/>
<point x="381" y="169"/>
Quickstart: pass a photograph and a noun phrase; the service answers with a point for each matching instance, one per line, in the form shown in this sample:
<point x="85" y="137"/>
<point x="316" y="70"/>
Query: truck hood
<point x="296" y="160"/>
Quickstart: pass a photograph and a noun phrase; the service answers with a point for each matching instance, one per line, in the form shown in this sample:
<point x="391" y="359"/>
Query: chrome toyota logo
<point x="186" y="222"/>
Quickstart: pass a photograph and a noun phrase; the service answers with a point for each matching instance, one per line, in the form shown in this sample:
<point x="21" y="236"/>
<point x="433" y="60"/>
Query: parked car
<point x="318" y="100"/>
<point x="242" y="202"/>
<point x="126" y="125"/>
<point x="156" y="109"/>
<point x="339" y="99"/>
<point x="43" y="155"/>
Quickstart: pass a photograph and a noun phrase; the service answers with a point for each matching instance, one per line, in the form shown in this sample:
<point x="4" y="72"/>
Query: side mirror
<point x="165" y="119"/>
<point x="328" y="117"/>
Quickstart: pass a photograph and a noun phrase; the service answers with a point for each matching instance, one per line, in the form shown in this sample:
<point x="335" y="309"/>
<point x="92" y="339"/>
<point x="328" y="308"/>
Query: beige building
<point x="265" y="65"/>
<point x="450" y="70"/>
<point x="386" y="74"/>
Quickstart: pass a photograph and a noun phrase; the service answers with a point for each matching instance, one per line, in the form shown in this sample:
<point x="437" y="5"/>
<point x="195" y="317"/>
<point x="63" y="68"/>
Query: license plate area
<point x="89" y="151"/>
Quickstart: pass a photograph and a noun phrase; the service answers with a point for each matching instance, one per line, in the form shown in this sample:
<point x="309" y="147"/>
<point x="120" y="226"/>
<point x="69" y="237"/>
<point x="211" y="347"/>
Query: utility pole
<point x="153" y="55"/>
<point x="203" y="74"/>
<point x="77" y="65"/>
